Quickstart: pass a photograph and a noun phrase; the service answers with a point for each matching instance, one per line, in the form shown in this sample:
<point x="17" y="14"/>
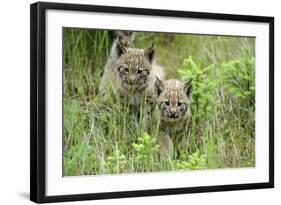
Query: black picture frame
<point x="38" y="100"/>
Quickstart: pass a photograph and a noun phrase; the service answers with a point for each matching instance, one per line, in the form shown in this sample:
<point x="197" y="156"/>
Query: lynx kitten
<point x="131" y="75"/>
<point x="173" y="111"/>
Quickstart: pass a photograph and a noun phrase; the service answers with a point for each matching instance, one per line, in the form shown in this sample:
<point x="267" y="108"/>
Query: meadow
<point x="99" y="138"/>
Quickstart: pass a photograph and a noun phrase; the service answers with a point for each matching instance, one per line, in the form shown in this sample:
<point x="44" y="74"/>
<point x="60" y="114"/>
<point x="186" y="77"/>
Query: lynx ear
<point x="149" y="53"/>
<point x="159" y="86"/>
<point x="121" y="49"/>
<point x="188" y="89"/>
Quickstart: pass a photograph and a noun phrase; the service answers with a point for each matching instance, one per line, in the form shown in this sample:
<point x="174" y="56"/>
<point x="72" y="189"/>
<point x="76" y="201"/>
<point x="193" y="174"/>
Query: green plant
<point x="116" y="162"/>
<point x="80" y="160"/>
<point x="195" y="162"/>
<point x="85" y="52"/>
<point x="240" y="77"/>
<point x="203" y="86"/>
<point x="146" y="152"/>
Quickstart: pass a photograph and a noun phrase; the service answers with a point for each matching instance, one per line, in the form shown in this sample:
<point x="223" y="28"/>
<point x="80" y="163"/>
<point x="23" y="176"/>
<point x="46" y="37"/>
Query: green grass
<point x="107" y="139"/>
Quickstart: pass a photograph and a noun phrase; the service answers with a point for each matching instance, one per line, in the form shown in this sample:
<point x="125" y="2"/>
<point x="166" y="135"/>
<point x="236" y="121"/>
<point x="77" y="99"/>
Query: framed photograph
<point x="129" y="102"/>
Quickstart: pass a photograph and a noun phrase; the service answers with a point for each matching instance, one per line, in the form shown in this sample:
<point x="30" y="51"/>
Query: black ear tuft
<point x="120" y="48"/>
<point x="149" y="53"/>
<point x="188" y="89"/>
<point x="159" y="86"/>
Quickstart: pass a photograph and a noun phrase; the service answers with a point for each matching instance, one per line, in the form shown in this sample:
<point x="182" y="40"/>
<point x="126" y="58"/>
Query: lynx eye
<point x="180" y="104"/>
<point x="139" y="71"/>
<point x="167" y="103"/>
<point x="123" y="69"/>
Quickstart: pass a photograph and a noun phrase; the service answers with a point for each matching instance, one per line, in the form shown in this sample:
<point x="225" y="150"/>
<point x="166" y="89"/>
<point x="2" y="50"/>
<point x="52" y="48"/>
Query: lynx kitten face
<point x="173" y="100"/>
<point x="134" y="67"/>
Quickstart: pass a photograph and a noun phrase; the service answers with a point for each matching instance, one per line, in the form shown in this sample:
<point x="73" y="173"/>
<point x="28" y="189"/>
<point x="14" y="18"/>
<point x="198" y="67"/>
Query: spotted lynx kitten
<point x="131" y="75"/>
<point x="173" y="111"/>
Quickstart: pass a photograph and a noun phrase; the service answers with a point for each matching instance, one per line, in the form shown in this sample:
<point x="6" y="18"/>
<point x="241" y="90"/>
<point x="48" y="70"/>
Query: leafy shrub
<point x="240" y="78"/>
<point x="195" y="162"/>
<point x="116" y="162"/>
<point x="146" y="152"/>
<point x="203" y="91"/>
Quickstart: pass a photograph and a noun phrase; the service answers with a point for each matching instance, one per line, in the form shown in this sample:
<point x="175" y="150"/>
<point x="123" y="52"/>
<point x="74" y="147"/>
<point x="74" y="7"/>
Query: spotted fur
<point x="132" y="75"/>
<point x="173" y="110"/>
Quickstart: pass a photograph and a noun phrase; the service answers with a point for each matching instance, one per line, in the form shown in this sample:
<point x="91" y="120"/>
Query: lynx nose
<point x="132" y="78"/>
<point x="173" y="114"/>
